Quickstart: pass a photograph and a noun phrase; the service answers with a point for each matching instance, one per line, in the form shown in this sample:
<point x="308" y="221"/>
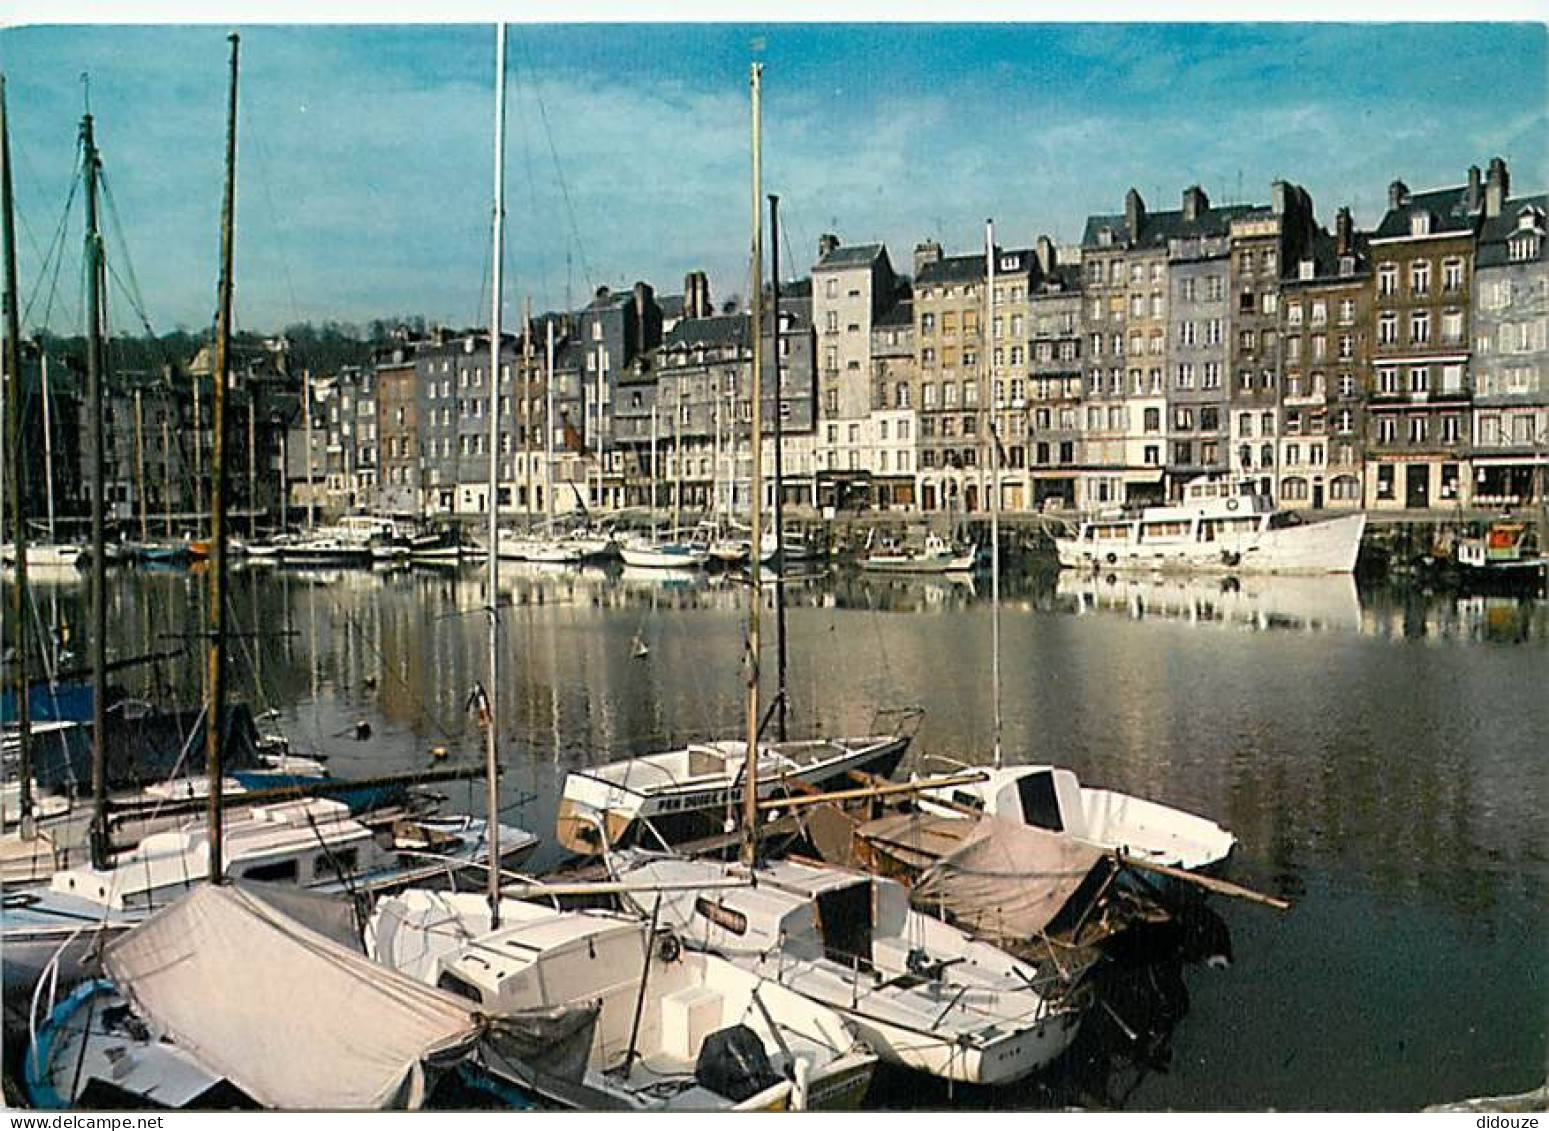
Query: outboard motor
<point x="732" y="1063"/>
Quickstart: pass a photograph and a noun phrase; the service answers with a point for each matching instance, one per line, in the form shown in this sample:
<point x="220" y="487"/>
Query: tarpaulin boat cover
<point x="298" y="1021"/>
<point x="1006" y="880"/>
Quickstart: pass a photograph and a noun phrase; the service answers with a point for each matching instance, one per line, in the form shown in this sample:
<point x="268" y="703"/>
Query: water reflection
<point x="1377" y="751"/>
<point x="1261" y="603"/>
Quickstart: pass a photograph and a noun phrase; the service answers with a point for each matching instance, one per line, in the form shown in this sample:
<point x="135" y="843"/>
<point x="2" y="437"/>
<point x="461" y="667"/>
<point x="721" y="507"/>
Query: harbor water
<point x="1380" y="753"/>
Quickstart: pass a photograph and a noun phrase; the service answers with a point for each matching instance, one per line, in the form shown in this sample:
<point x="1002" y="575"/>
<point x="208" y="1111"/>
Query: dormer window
<point x="1306" y="268"/>
<point x="1010" y="262"/>
<point x="1419" y="223"/>
<point x="1524" y="247"/>
<point x="1529" y="219"/>
<point x="1346" y="265"/>
<point x="1104" y="237"/>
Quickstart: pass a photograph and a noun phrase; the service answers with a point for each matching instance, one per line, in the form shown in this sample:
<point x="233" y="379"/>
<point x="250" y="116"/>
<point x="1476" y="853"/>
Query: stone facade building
<point x="1511" y="347"/>
<point x="1422" y="262"/>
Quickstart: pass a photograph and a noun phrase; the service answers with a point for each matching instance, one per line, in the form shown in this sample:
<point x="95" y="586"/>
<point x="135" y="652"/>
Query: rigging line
<point x="564" y="187"/>
<point x="254" y="142"/>
<point x="136" y="299"/>
<point x="55" y="255"/>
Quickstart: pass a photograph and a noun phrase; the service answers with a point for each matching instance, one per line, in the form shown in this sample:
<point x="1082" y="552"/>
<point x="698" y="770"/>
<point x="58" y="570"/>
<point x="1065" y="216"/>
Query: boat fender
<point x="668" y="947"/>
<point x="1231" y="557"/>
<point x="1231" y="504"/>
<point x="1113" y="559"/>
<point x="362" y="730"/>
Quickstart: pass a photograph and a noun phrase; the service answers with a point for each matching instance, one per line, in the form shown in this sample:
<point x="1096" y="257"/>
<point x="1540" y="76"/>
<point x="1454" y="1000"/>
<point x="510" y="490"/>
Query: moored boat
<point x="936" y="555"/>
<point x="679" y="795"/>
<point x="1218" y="526"/>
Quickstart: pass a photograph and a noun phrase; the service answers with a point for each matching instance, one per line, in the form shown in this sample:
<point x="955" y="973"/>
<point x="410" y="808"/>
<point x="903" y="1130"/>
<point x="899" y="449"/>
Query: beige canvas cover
<point x="1006" y="881"/>
<point x="292" y="1018"/>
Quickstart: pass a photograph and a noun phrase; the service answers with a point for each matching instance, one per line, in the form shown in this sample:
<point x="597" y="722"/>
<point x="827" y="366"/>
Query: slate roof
<point x="1448" y="208"/>
<point x="1326" y="261"/>
<point x="1156" y="228"/>
<point x="1497" y="230"/>
<point x="901" y="313"/>
<point x="716" y="331"/>
<point x="860" y="255"/>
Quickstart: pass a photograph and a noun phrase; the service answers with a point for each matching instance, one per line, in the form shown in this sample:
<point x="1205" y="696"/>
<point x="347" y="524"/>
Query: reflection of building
<point x="1511" y="335"/>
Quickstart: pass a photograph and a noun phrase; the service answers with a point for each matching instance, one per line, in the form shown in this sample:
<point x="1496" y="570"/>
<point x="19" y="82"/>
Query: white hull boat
<point x="315" y="844"/>
<point x="1052" y="798"/>
<point x="936" y="556"/>
<point x="664" y="555"/>
<point x="682" y="794"/>
<point x="669" y="1020"/>
<point x="1218" y="527"/>
<point x="920" y="992"/>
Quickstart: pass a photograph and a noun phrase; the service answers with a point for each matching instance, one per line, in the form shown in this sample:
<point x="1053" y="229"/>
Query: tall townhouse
<point x="704" y="409"/>
<point x="1511" y="348"/>
<point x="615" y="331"/>
<point x="1422" y="260"/>
<point x="1016" y="275"/>
<point x="896" y="380"/>
<point x="398" y="438"/>
<point x="454" y="400"/>
<point x="1199" y="345"/>
<point x="1054" y="382"/>
<point x="1124" y="260"/>
<point x="1263" y="240"/>
<point x="1325" y="330"/>
<point x="948" y="309"/>
<point x="851" y="287"/>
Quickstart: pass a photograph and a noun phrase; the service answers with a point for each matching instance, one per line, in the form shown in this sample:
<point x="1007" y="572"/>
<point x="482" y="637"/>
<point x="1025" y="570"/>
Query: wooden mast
<point x="215" y="715"/>
<point x="95" y="319"/>
<point x="492" y="685"/>
<point x="18" y="472"/>
<point x="755" y="499"/>
<point x="985" y="351"/>
<point x="782" y="695"/>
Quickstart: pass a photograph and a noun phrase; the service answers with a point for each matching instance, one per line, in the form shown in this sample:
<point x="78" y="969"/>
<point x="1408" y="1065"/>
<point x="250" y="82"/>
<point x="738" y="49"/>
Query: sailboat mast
<point x="306" y="425"/>
<point x="492" y="684"/>
<point x="526" y="409"/>
<point x="987" y="351"/>
<point x="139" y="461"/>
<point x="17" y="471"/>
<point x="252" y="463"/>
<point x="781" y="696"/>
<point x="95" y="283"/>
<point x="215" y="715"/>
<point x="755" y="494"/>
<point x="48" y="447"/>
<point x="548" y="420"/>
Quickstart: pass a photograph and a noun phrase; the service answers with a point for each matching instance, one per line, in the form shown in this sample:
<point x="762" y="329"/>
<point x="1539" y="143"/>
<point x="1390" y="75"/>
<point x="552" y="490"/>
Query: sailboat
<point x="359" y="1036"/>
<point x="674" y="1031"/>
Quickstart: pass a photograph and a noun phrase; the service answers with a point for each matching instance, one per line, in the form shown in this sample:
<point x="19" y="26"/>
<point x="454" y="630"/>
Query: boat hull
<point x="932" y="563"/>
<point x="1329" y="546"/>
<point x="664" y="558"/>
<point x="596" y="810"/>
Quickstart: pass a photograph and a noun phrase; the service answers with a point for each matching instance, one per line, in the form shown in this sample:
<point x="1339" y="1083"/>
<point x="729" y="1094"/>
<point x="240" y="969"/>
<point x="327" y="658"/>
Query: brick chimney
<point x="1398" y="195"/>
<point x="1048" y="256"/>
<point x="827" y="242"/>
<point x="1134" y="213"/>
<point x="926" y="253"/>
<point x="1497" y="187"/>
<point x="1473" y="199"/>
<point x="1344" y="233"/>
<point x="1195" y="202"/>
<point x="696" y="295"/>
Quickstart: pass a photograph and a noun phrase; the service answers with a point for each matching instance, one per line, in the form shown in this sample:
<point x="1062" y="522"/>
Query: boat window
<point x="968" y="800"/>
<point x="339" y="863"/>
<point x="453" y="984"/>
<point x="734" y="921"/>
<point x="844" y="920"/>
<point x="280" y="871"/>
<point x="1040" y="805"/>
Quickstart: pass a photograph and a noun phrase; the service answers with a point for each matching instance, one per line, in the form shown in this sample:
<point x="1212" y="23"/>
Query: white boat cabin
<point x="1052" y="798"/>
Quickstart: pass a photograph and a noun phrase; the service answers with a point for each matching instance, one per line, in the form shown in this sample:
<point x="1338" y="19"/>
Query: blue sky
<point x="365" y="152"/>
